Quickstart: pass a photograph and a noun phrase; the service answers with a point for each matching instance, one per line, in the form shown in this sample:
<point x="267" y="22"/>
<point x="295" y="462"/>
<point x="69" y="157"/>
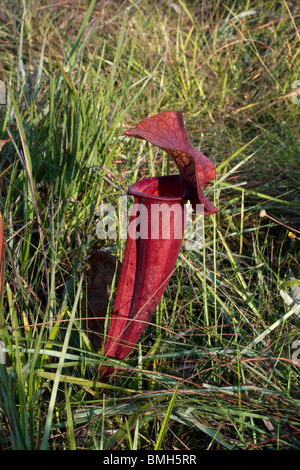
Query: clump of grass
<point x="217" y="367"/>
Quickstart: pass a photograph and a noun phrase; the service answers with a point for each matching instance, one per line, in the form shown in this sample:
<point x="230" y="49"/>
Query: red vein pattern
<point x="166" y="130"/>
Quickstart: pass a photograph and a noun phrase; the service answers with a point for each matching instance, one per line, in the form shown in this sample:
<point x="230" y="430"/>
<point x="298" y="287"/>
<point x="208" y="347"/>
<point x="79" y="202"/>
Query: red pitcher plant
<point x="153" y="246"/>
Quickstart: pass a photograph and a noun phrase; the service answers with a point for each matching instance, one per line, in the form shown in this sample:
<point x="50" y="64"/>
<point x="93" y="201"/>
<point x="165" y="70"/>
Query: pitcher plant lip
<point x="149" y="261"/>
<point x="141" y="188"/>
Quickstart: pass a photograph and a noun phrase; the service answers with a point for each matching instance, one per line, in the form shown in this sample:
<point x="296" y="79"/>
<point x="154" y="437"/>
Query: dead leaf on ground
<point x="96" y="295"/>
<point x="3" y="142"/>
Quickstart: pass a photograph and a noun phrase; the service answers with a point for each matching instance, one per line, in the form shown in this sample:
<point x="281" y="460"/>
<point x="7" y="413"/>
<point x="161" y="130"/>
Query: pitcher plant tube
<point x="152" y="247"/>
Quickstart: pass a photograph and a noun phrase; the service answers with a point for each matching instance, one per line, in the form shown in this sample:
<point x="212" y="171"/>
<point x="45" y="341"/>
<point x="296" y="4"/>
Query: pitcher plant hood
<point x="166" y="130"/>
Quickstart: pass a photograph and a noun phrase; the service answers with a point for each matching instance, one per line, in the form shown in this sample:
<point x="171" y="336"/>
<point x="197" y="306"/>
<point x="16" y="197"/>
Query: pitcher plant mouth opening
<point x="150" y="255"/>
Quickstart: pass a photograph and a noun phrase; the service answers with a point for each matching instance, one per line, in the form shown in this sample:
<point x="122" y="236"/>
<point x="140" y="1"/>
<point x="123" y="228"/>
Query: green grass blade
<point x="235" y="154"/>
<point x="164" y="426"/>
<point x="70" y="425"/>
<point x="18" y="439"/>
<point x="45" y="441"/>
